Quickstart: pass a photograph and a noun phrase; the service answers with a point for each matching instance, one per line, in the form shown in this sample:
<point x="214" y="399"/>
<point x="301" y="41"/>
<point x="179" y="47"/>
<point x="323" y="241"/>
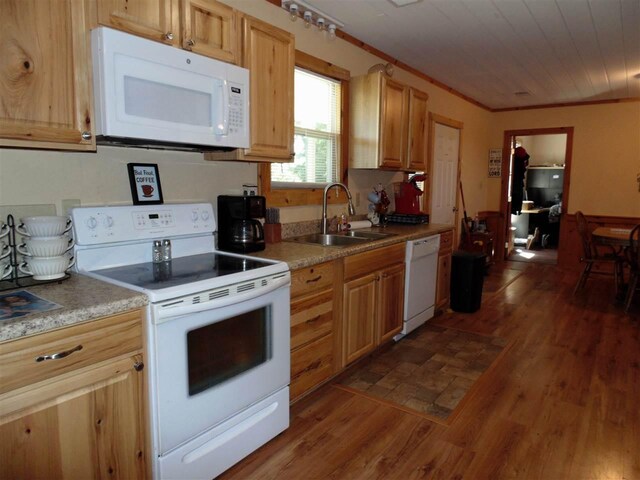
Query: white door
<point x="445" y="174"/>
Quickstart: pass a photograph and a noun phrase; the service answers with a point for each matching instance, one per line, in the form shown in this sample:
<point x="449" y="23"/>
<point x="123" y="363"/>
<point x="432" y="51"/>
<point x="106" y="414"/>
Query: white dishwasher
<point x="421" y="259"/>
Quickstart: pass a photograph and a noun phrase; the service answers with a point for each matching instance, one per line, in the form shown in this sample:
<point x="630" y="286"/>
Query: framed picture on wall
<point x="144" y="180"/>
<point x="495" y="162"/>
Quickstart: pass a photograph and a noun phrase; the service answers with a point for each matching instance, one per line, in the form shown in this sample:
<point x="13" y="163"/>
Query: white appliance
<point x="147" y="93"/>
<point x="217" y="332"/>
<point x="421" y="268"/>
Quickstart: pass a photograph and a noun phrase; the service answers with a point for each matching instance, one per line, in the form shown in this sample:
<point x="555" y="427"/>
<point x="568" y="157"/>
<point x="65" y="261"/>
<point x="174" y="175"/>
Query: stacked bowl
<point x="46" y="246"/>
<point x="5" y="251"/>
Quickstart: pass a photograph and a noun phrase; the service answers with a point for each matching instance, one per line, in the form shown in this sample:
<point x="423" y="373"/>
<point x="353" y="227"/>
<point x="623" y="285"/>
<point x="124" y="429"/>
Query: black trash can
<point x="467" y="277"/>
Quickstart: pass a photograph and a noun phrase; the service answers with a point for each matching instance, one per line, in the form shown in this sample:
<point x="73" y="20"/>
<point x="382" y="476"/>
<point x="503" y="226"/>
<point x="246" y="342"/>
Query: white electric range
<point x="217" y="329"/>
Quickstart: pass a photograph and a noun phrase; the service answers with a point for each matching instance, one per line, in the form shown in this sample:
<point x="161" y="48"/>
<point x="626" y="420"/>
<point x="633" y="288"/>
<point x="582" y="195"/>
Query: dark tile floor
<point x="429" y="371"/>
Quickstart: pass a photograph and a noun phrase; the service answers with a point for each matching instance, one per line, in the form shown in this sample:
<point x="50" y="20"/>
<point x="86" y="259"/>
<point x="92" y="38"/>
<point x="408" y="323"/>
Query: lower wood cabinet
<point x="312" y="327"/>
<point x="79" y="416"/>
<point x="443" y="284"/>
<point x="373" y="300"/>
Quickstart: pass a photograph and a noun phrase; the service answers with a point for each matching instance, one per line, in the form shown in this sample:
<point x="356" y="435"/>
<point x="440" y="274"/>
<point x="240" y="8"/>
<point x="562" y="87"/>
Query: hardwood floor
<point x="562" y="403"/>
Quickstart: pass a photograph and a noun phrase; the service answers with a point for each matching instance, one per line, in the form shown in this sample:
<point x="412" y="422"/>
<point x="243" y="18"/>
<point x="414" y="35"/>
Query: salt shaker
<point x="156" y="256"/>
<point x="166" y="250"/>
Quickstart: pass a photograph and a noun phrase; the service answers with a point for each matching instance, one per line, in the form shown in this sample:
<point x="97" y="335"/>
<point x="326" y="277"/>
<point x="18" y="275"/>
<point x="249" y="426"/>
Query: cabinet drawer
<point x="311" y="318"/>
<point x="446" y="240"/>
<point x="316" y="278"/>
<point x="99" y="340"/>
<point x="367" y="262"/>
<point x="311" y="365"/>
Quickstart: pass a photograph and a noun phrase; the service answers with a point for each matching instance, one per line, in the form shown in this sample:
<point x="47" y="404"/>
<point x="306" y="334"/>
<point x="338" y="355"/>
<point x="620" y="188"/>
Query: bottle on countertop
<point x="166" y="250"/>
<point x="156" y="255"/>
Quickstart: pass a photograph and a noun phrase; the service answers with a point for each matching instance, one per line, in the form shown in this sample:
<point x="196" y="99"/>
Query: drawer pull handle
<point x="56" y="356"/>
<point x="313" y="320"/>
<point x="314" y="280"/>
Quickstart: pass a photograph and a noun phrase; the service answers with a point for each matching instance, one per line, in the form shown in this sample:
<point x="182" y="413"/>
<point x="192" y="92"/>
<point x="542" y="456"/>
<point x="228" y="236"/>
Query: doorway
<point x="534" y="221"/>
<point x="445" y="139"/>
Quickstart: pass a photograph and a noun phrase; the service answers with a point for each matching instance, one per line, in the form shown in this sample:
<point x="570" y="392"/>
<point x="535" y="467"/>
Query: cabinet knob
<point x="86" y="135"/>
<point x="138" y="366"/>
<point x="168" y="36"/>
<point x="191" y="42"/>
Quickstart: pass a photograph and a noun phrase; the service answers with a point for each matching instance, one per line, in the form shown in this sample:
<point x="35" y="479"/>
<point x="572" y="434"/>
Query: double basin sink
<point x="344" y="239"/>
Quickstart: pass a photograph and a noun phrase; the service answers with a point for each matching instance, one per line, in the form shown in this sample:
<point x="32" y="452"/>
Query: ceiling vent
<point x="522" y="94"/>
<point x="404" y="3"/>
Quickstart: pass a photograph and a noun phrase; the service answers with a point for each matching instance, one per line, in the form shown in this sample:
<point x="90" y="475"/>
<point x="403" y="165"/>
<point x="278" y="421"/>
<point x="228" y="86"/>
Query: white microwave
<point x="150" y="94"/>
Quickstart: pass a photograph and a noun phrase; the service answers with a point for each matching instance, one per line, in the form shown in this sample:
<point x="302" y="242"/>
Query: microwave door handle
<point x="222" y="128"/>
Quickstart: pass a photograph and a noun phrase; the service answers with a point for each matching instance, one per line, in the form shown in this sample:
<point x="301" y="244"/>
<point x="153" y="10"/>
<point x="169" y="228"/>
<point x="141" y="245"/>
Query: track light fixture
<point x="311" y="16"/>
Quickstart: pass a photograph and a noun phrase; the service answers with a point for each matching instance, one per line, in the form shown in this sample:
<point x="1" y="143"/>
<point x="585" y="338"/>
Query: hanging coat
<point x="520" y="163"/>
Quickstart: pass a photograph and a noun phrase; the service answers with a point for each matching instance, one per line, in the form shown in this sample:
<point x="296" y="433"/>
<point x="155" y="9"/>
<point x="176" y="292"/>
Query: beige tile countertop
<point x="80" y="298"/>
<point x="301" y="255"/>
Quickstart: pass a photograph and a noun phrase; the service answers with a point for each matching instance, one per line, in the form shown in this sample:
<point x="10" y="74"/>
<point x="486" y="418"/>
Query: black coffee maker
<point x="239" y="229"/>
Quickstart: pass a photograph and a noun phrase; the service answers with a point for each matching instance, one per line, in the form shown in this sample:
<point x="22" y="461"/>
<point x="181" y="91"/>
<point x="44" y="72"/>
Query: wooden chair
<point x="633" y="257"/>
<point x="591" y="256"/>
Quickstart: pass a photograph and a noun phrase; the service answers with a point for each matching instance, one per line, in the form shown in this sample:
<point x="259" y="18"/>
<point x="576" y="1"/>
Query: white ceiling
<point x="558" y="51"/>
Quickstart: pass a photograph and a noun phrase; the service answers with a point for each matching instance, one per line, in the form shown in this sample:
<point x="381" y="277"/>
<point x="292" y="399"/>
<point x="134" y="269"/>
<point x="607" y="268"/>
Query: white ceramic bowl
<point x="47" y="268"/>
<point x="45" y="226"/>
<point x="45" y="246"/>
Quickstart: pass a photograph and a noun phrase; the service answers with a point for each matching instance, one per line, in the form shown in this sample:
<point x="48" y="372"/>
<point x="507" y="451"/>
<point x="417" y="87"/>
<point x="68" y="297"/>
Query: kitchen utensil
<point x="47" y="268"/>
<point x="44" y="226"/>
<point x="46" y="246"/>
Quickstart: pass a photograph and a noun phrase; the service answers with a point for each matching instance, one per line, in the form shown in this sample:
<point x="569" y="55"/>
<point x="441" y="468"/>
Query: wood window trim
<point x="291" y="197"/>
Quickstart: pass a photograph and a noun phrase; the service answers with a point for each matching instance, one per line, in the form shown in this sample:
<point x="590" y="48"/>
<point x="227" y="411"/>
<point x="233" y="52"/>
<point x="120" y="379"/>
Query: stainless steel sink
<point x="345" y="239"/>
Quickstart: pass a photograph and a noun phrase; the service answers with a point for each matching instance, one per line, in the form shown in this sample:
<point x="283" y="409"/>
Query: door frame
<point x="449" y="122"/>
<point x="506" y="161"/>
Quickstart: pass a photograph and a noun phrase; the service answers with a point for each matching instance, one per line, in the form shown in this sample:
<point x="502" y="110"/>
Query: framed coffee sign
<point x="145" y="183"/>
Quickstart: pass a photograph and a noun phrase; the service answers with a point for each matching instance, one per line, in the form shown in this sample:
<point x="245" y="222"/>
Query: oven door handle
<point x="168" y="312"/>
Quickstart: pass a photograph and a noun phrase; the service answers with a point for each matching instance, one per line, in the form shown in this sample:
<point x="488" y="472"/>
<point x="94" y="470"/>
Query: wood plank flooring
<point x="562" y="403"/>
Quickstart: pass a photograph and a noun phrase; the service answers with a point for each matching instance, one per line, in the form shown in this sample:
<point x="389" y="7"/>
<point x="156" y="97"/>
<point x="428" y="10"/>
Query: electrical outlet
<point x="357" y="199"/>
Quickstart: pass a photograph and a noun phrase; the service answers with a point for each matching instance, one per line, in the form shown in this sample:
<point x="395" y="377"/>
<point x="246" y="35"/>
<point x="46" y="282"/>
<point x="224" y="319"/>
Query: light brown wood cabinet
<point x="45" y="77"/>
<point x="312" y="327"/>
<point x="211" y="28"/>
<point x="154" y="19"/>
<point x="79" y="416"/>
<point x="269" y="54"/>
<point x="443" y="283"/>
<point x="373" y="300"/>
<point x="389" y="127"/>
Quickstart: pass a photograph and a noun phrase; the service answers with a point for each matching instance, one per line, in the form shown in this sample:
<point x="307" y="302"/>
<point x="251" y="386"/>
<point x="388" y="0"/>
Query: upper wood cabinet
<point x="389" y="124"/>
<point x="154" y="19"/>
<point x="45" y="75"/>
<point x="269" y="54"/>
<point x="211" y="28"/>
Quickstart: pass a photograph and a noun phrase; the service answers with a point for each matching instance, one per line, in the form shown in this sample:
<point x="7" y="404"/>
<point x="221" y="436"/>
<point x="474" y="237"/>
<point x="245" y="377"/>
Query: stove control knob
<point x="194" y="216"/>
<point x="91" y="223"/>
<point x="205" y="215"/>
<point x="108" y="221"/>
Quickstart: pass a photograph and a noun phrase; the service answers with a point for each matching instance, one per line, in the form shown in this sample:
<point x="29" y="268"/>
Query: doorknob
<point x="454" y="209"/>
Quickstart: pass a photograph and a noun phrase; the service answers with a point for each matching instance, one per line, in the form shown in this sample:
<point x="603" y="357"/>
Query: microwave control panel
<point x="236" y="108"/>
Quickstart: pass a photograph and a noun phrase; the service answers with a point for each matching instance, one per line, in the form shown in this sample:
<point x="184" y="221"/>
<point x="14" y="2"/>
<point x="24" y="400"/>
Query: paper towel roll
<point x="359" y="224"/>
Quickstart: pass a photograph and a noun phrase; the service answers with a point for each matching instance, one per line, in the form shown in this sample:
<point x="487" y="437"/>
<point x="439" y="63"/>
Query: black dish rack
<point x="14" y="280"/>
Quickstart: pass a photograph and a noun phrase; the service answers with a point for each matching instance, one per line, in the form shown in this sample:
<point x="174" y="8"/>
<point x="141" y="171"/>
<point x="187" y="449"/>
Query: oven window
<point x="225" y="349"/>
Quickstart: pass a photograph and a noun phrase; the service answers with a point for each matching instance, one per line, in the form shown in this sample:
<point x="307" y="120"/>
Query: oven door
<point x="208" y="364"/>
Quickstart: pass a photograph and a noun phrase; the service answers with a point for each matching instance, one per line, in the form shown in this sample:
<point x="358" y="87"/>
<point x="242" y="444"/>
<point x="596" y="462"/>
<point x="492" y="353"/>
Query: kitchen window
<point x="320" y="142"/>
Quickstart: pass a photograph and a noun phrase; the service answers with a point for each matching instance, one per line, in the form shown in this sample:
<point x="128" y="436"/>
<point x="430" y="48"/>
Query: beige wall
<point x="606" y="154"/>
<point x="545" y="150"/>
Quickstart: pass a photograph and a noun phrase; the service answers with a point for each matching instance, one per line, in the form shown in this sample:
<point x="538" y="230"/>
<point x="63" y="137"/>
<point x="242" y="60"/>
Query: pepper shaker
<point x="156" y="256"/>
<point x="166" y="250"/>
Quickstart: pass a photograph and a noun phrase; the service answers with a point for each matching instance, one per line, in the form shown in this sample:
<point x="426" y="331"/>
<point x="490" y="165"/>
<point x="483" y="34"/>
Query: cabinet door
<point x="210" y="28"/>
<point x="418" y="131"/>
<point x="85" y="425"/>
<point x="393" y="124"/>
<point x="359" y="317"/>
<point x="44" y="75"/>
<point x="443" y="286"/>
<point x="269" y="54"/>
<point x="154" y="19"/>
<point x="390" y="302"/>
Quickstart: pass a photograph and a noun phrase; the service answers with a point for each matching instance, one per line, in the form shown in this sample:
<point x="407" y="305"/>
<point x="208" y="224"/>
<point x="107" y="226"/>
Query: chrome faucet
<point x="352" y="211"/>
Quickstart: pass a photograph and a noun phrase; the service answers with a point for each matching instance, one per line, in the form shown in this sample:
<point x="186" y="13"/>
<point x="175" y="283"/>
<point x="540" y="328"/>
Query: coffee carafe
<point x="239" y="229"/>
